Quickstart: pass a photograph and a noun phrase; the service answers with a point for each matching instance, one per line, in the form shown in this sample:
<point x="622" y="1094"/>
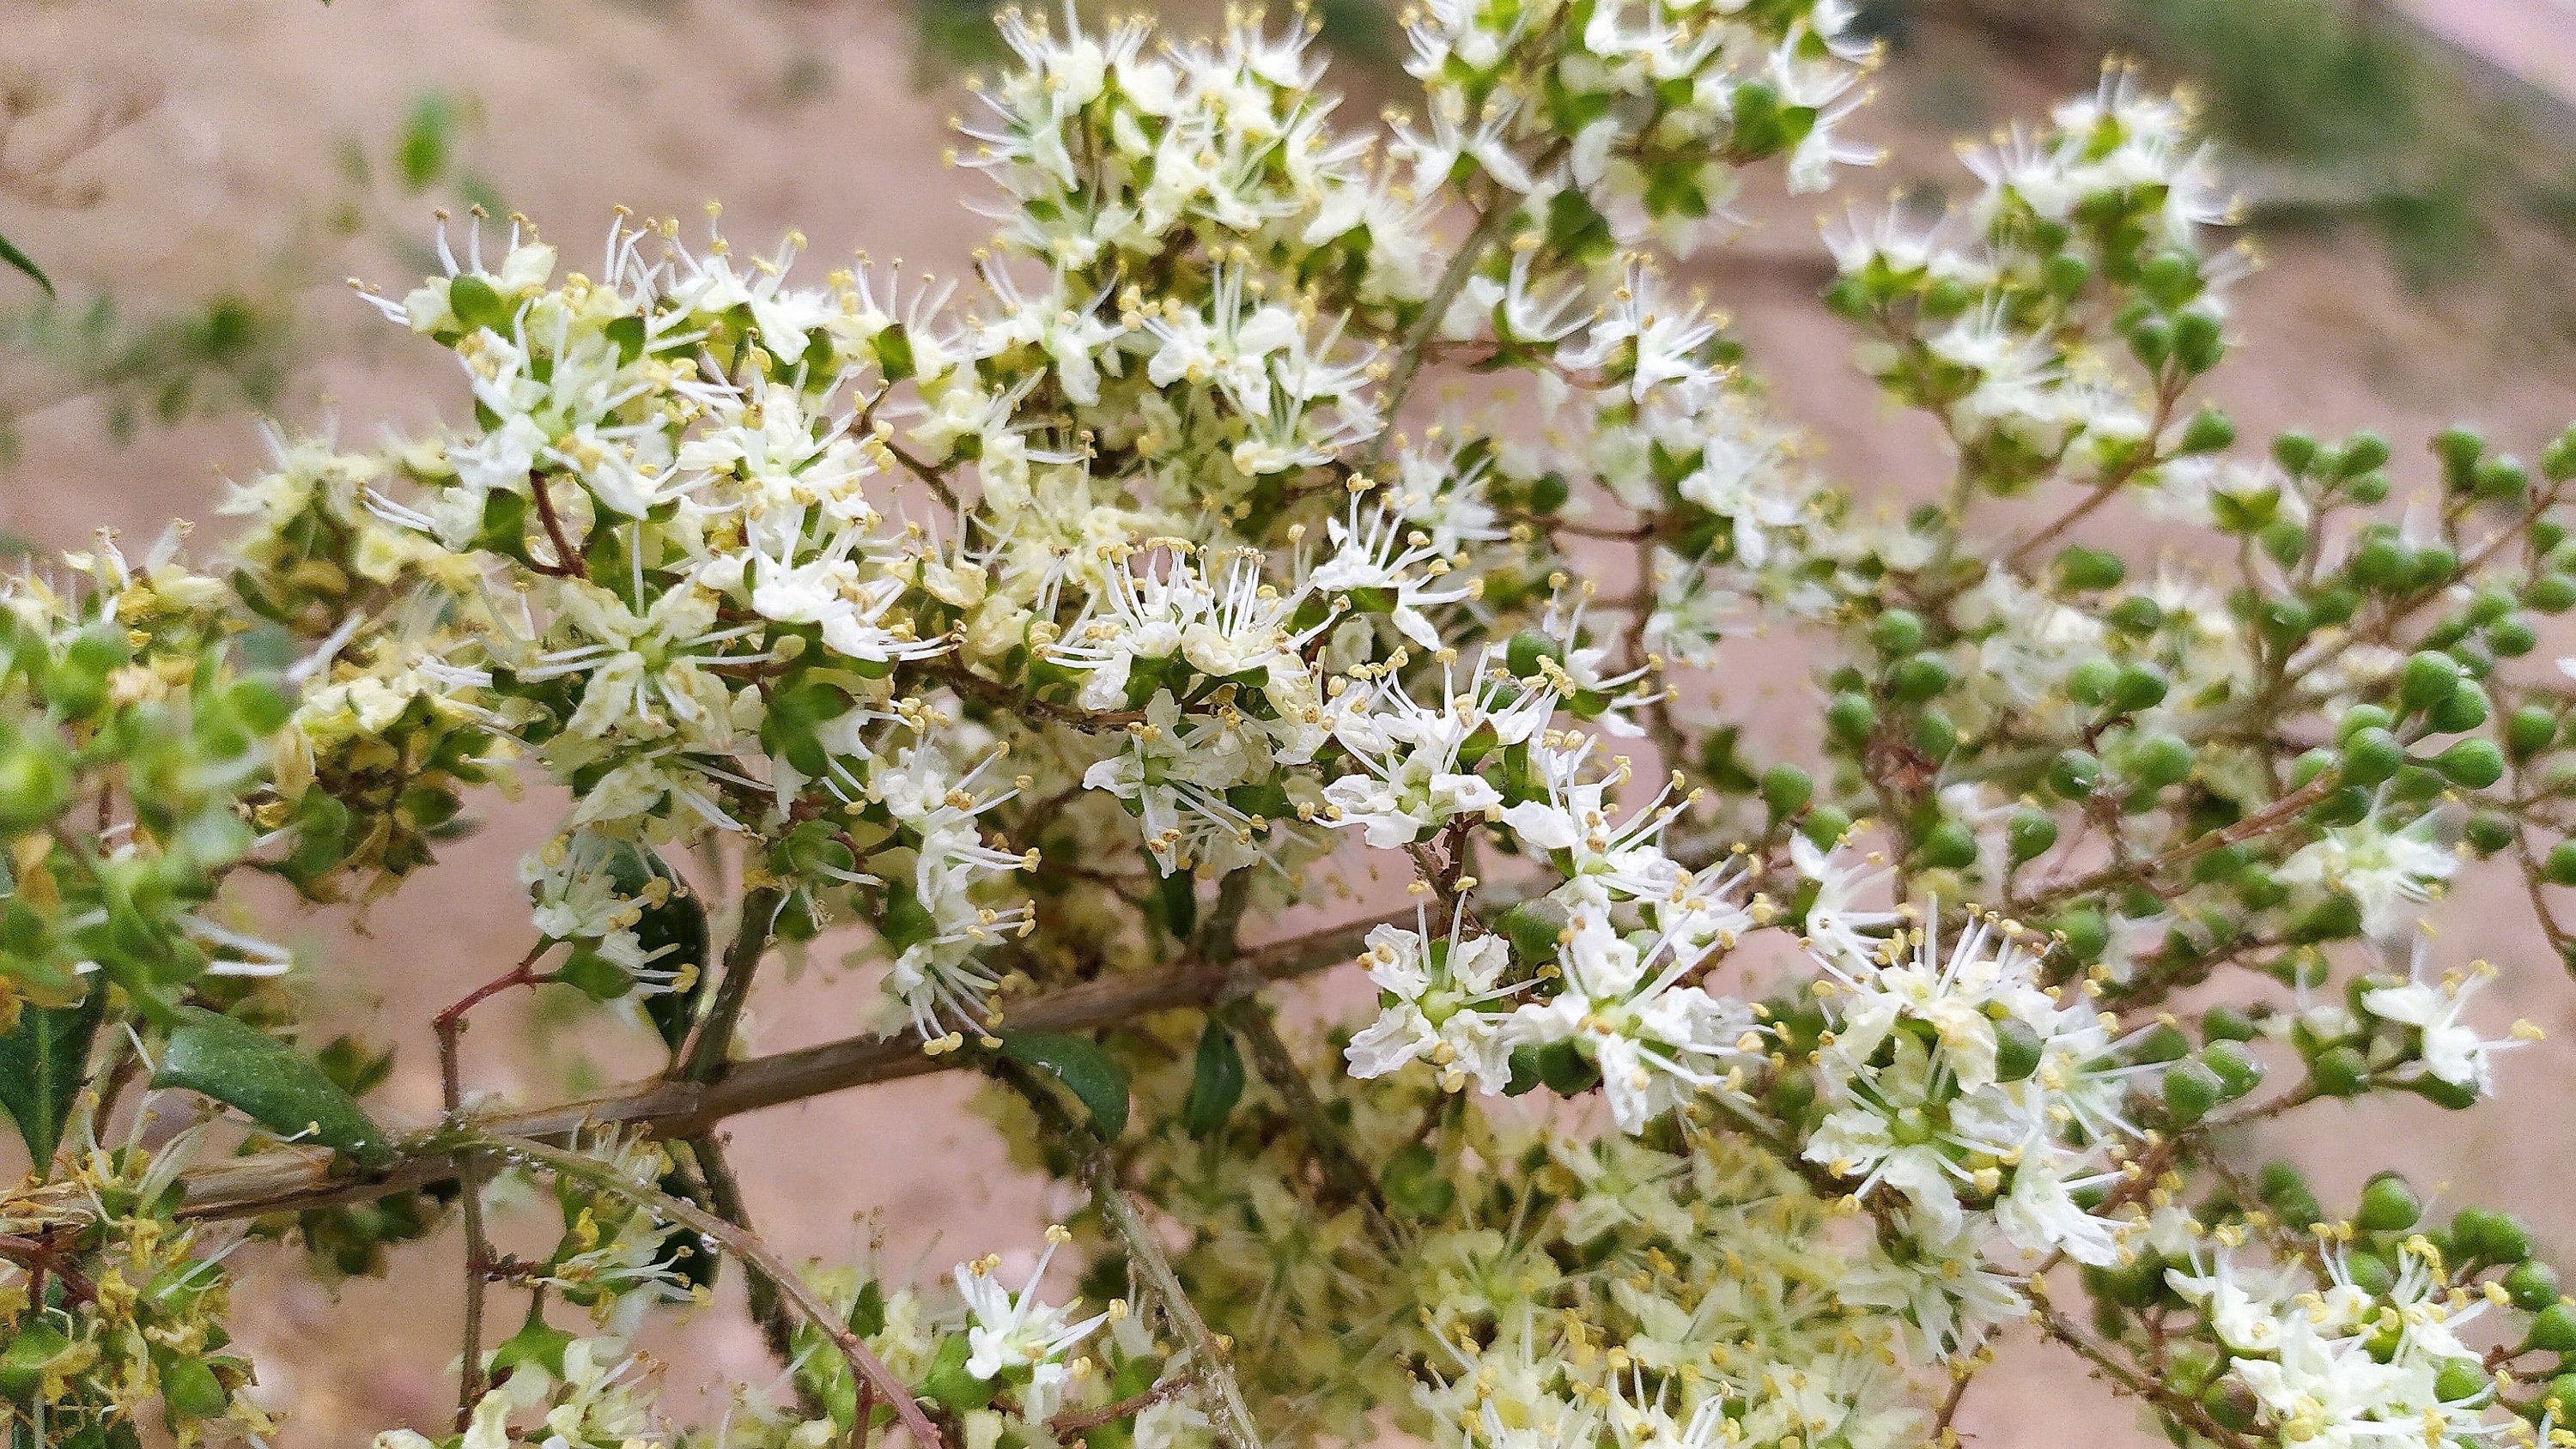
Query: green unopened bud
<point x="1786" y="789"/>
<point x="2140" y="686"/>
<point x="2191" y="1089"/>
<point x="1851" y="718"/>
<point x="2017" y="1049"/>
<point x="2158" y="761"/>
<point x="2208" y="431"/>
<point x="2151" y="341"/>
<point x="1919" y="677"/>
<point x="2162" y="1042"/>
<point x="1897" y="633"/>
<point x="2236" y="1069"/>
<point x="2532" y="1285"/>
<point x="2029" y="835"/>
<point x="2529" y="730"/>
<point x="2551" y="593"/>
<point x="2553" y="1330"/>
<point x="2294" y="451"/>
<point x="2559" y="867"/>
<point x="2371" y="756"/>
<point x="1949" y="845"/>
<point x="2136" y="616"/>
<point x="2512" y="637"/>
<point x="2085" y="931"/>
<point x="2074" y="774"/>
<point x="2473" y="763"/>
<point x="2459" y="449"/>
<point x="2500" y="480"/>
<point x="2090" y="682"/>
<point x="1825" y="824"/>
<point x="2389" y="1204"/>
<point x="2084" y="569"/>
<point x="2227" y="1023"/>
<point x="2198" y="341"/>
<point x="2339" y="1072"/>
<point x="2461" y="1378"/>
<point x="2427" y="679"/>
<point x="37" y="779"/>
<point x="2487" y="832"/>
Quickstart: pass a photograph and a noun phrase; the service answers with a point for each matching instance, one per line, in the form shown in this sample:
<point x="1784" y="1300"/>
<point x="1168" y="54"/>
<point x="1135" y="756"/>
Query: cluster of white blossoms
<point x="1297" y="540"/>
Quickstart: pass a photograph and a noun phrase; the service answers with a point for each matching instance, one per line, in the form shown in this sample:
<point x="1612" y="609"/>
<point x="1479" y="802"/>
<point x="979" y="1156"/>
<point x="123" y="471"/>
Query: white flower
<point x="1435" y="1004"/>
<point x="2384" y="871"/>
<point x="1014" y="1333"/>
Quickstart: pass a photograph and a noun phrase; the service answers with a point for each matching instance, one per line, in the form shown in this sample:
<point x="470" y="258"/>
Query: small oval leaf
<point x="267" y="1081"/>
<point x="1086" y="1071"/>
<point x="1216" y="1083"/>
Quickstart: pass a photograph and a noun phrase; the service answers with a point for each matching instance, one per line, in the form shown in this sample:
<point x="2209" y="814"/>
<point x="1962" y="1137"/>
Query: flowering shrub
<point x="1040" y="650"/>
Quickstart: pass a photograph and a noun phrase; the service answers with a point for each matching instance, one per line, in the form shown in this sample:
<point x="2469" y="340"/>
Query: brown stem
<point x="40" y="1257"/>
<point x="449" y="1025"/>
<point x="289" y="1179"/>
<point x="704" y="1060"/>
<point x="1073" y="1421"/>
<point x="568" y="562"/>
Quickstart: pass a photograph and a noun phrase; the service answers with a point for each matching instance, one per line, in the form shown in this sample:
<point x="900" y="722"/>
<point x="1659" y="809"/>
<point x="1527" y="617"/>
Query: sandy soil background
<point x="813" y="114"/>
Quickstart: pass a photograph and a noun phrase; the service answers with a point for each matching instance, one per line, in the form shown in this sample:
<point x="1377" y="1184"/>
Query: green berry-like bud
<point x="2074" y="774"/>
<point x="2030" y="834"/>
<point x="1919" y="677"/>
<point x="1949" y="845"/>
<point x="2227" y="1023"/>
<point x="2427" y="679"/>
<point x="2236" y="1069"/>
<point x="2190" y="1090"/>
<point x="2553" y="1330"/>
<point x="2208" y="431"/>
<point x="2500" y="480"/>
<point x="2158" y="761"/>
<point x="2473" y="763"/>
<point x="2364" y="452"/>
<point x="2512" y="638"/>
<point x="2136" y="616"/>
<point x="2488" y="832"/>
<point x="2294" y="451"/>
<point x="2339" y="1072"/>
<point x="2140" y="686"/>
<point x="2372" y="756"/>
<point x="1897" y="632"/>
<point x="2085" y="931"/>
<point x="2459" y="449"/>
<point x="2559" y="868"/>
<point x="1825" y="824"/>
<point x="2465" y="710"/>
<point x="2529" y="730"/>
<point x="2434" y="564"/>
<point x="2083" y="569"/>
<point x="2388" y="1205"/>
<point x="2017" y="1049"/>
<point x="2090" y="682"/>
<point x="2460" y="1378"/>
<point x="2551" y="593"/>
<point x="37" y="780"/>
<point x="1851" y="718"/>
<point x="1786" y="789"/>
<point x="2533" y="1285"/>
<point x="2359" y="718"/>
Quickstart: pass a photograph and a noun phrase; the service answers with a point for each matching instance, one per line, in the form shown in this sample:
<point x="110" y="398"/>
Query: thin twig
<point x="754" y="1255"/>
<point x="704" y="1060"/>
<point x="1216" y="1371"/>
<point x="449" y="1026"/>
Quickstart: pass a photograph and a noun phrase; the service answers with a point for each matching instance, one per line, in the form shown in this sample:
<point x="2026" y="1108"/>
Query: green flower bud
<point x="2029" y="834"/>
<point x="2553" y="1330"/>
<point x="38" y="778"/>
<point x="2074" y="774"/>
<point x="2017" y="1049"/>
<point x="2551" y="593"/>
<point x="2388" y="1205"/>
<point x="2465" y="710"/>
<point x="1919" y="677"/>
<point x="2136" y="616"/>
<point x="1851" y="718"/>
<point x="2427" y="679"/>
<point x="2227" y="1023"/>
<point x="2161" y="1043"/>
<point x="2488" y="832"/>
<point x="2208" y="431"/>
<point x="2084" y="569"/>
<point x="2140" y="686"/>
<point x="2090" y="682"/>
<point x="2381" y="563"/>
<point x="2158" y="761"/>
<point x="2339" y="1072"/>
<point x="2460" y="1378"/>
<point x="1949" y="845"/>
<point x="2533" y="1286"/>
<point x="2529" y="730"/>
<point x="1934" y="734"/>
<point x="2459" y="449"/>
<point x="1897" y="632"/>
<point x="2151" y="341"/>
<point x="2363" y="452"/>
<point x="2369" y="488"/>
<point x="2085" y="931"/>
<point x="2472" y="763"/>
<point x="1825" y="824"/>
<point x="2500" y="480"/>
<point x="2434" y="564"/>
<point x="2559" y="868"/>
<point x="2372" y="756"/>
<point x="1786" y="789"/>
<point x="2191" y="1089"/>
<point x="1527" y="648"/>
<point x="2512" y="638"/>
<point x="2236" y="1069"/>
<point x="2361" y="717"/>
<point x="2294" y="451"/>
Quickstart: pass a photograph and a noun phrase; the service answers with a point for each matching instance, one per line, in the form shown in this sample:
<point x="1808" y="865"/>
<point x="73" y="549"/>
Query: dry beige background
<point x="807" y="114"/>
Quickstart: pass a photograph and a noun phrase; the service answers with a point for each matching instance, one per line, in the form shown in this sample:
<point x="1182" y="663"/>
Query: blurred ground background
<point x="198" y="176"/>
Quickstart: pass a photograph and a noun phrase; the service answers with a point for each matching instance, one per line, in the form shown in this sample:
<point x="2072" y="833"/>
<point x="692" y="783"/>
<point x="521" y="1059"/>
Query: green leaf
<point x="1216" y="1084"/>
<point x="19" y="260"/>
<point x="40" y="1069"/>
<point x="1086" y="1070"/>
<point x="268" y="1081"/>
<point x="421" y="153"/>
